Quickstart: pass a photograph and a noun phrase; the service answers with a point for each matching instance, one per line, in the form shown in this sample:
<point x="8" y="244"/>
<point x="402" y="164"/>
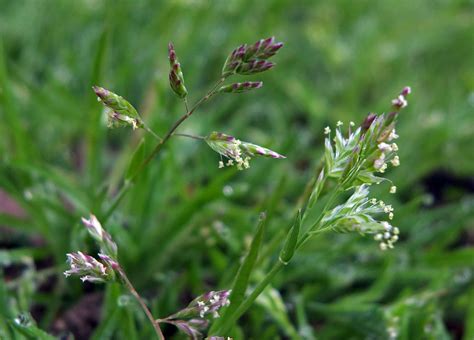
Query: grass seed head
<point x="119" y="111"/>
<point x="88" y="268"/>
<point x="238" y="153"/>
<point x="103" y="238"/>
<point x="241" y="87"/>
<point x="176" y="77"/>
<point x="251" y="59"/>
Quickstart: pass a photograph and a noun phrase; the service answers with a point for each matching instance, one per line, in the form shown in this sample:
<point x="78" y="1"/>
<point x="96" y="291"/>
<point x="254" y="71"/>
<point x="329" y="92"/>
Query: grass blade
<point x="94" y="138"/>
<point x="241" y="281"/>
<point x="30" y="331"/>
<point x="136" y="161"/>
<point x="9" y="111"/>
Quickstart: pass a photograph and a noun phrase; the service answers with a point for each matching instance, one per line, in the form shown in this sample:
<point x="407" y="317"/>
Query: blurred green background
<point x="184" y="226"/>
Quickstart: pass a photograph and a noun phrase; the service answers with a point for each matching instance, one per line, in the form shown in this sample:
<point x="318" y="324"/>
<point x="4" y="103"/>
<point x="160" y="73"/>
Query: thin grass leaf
<point x="129" y="327"/>
<point x="109" y="324"/>
<point x="94" y="128"/>
<point x="292" y="238"/>
<point x="272" y="303"/>
<point x="30" y="331"/>
<point x="164" y="251"/>
<point x="110" y="313"/>
<point x="241" y="281"/>
<point x="137" y="159"/>
<point x="8" y="109"/>
<point x="470" y="317"/>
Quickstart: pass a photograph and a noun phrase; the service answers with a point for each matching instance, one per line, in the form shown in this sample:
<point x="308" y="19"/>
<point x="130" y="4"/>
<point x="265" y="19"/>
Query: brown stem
<point x="137" y="296"/>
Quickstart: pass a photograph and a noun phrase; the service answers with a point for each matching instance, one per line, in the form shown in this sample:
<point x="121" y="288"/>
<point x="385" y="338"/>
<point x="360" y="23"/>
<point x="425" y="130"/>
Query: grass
<point x="185" y="224"/>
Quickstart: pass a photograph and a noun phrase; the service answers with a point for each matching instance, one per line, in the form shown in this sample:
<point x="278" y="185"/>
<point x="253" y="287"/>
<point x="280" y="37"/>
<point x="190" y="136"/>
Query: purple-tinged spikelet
<point x="241" y="87"/>
<point x="108" y="246"/>
<point x="88" y="268"/>
<point x="263" y="49"/>
<point x="251" y="59"/>
<point x="176" y="77"/>
<point x="119" y="111"/>
<point x="254" y="66"/>
<point x="238" y="153"/>
<point x="401" y="101"/>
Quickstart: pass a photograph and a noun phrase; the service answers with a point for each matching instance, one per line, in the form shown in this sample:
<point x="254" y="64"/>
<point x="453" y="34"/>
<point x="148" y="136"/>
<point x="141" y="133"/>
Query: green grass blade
<point x="137" y="160"/>
<point x="241" y="281"/>
<point x="470" y="317"/>
<point x="30" y="331"/>
<point x="94" y="128"/>
<point x="292" y="238"/>
<point x="9" y="113"/>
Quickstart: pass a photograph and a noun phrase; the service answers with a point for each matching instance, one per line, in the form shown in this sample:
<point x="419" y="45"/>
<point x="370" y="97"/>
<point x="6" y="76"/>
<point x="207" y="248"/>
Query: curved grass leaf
<point x="136" y="161"/>
<point x="242" y="279"/>
<point x="30" y="331"/>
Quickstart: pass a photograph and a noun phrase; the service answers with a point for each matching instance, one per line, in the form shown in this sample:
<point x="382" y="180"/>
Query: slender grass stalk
<point x="137" y="296"/>
<point x="307" y="234"/>
<point x="173" y="128"/>
<point x="128" y="184"/>
<point x="120" y="113"/>
<point x="150" y="131"/>
<point x="188" y="136"/>
<point x="278" y="266"/>
<point x="186" y="106"/>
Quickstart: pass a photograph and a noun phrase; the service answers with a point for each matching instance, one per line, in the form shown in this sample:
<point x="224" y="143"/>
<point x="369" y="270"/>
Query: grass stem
<point x="137" y="296"/>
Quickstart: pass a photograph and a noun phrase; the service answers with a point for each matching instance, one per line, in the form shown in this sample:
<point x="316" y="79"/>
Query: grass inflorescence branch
<point x="120" y="113"/>
<point x="354" y="159"/>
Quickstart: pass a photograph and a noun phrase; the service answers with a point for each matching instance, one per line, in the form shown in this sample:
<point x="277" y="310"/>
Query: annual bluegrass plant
<point x="336" y="199"/>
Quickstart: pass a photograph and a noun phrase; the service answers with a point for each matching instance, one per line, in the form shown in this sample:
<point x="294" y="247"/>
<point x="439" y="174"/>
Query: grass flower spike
<point x="368" y="150"/>
<point x="88" y="268"/>
<point x="120" y="112"/>
<point x="176" y="74"/>
<point x="108" y="246"/>
<point x="254" y="66"/>
<point x="252" y="59"/>
<point x="91" y="269"/>
<point x="237" y="152"/>
<point x="204" y="305"/>
<point x="241" y="87"/>
<point x="194" y="318"/>
<point x="263" y="49"/>
<point x="359" y="214"/>
<point x="355" y="159"/>
<point x="233" y="61"/>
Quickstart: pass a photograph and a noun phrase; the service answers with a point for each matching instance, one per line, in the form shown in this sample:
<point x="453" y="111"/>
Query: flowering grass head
<point x="103" y="238"/>
<point x="355" y="158"/>
<point x="195" y="317"/>
<point x="176" y="77"/>
<point x="88" y="268"/>
<point x="251" y="59"/>
<point x="238" y="153"/>
<point x="241" y="87"/>
<point x="119" y="111"/>
<point x="205" y="305"/>
<point x="361" y="214"/>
